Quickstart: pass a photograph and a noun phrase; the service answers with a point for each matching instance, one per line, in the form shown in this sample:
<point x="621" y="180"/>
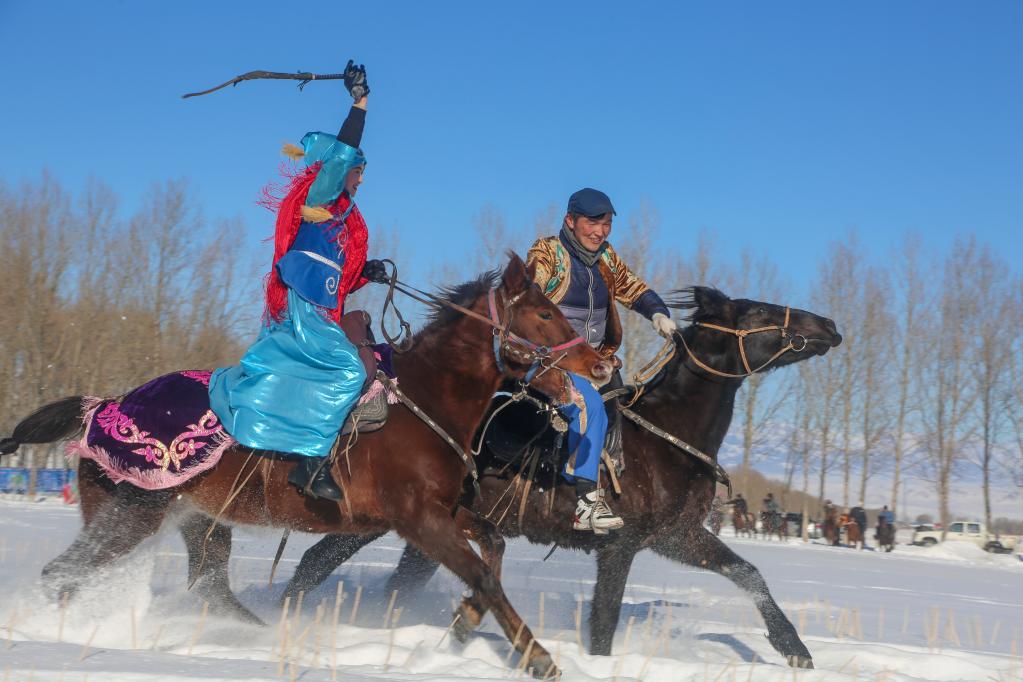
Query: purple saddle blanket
<point x="159" y="435"/>
<point x="164" y="433"/>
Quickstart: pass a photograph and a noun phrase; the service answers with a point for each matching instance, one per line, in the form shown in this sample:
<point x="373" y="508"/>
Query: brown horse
<point x="403" y="477"/>
<point x="853" y="535"/>
<point x="743" y="523"/>
<point x="831" y="527"/>
<point x="665" y="493"/>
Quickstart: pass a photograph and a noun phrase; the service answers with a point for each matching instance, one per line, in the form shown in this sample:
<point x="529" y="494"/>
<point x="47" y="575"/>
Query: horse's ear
<point x="516" y="277"/>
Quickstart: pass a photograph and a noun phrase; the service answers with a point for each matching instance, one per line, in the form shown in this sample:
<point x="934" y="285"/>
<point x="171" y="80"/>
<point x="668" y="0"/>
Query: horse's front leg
<point x="491" y="543"/>
<point x="613" y="564"/>
<point x="698" y="547"/>
<point x="435" y="532"/>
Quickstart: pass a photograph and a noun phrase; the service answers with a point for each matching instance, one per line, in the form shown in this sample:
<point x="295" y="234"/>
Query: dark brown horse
<point x="743" y="523"/>
<point x="666" y="494"/>
<point x="774" y="524"/>
<point x="403" y="477"/>
<point x="885" y="535"/>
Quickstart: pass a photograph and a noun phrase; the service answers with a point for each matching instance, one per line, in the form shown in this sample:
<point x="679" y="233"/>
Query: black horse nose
<point x="829" y="324"/>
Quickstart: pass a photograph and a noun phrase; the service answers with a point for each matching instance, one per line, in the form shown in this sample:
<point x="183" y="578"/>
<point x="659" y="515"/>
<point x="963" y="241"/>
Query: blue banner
<point x="15" y="480"/>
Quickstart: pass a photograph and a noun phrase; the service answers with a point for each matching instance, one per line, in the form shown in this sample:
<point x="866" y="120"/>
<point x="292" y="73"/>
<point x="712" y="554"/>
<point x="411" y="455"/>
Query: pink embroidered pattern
<point x="120" y="427"/>
<point x="200" y="375"/>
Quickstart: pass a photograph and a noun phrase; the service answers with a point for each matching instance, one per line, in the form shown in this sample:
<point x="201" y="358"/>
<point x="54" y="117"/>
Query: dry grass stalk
<point x="411" y="654"/>
<point x="339" y="598"/>
<point x="951" y="634"/>
<point x="842" y="624"/>
<point x="802" y="621"/>
<point x="282" y="654"/>
<point x="134" y="632"/>
<point x="857" y="627"/>
<point x="63" y="617"/>
<point x="355" y="605"/>
<point x="846" y="664"/>
<point x="515" y="643"/>
<point x="994" y="632"/>
<point x="88" y="643"/>
<point x="390" y="609"/>
<point x="978" y="631"/>
<point x="628" y="634"/>
<point x="298" y="610"/>
<point x="285" y="607"/>
<point x="539" y="629"/>
<point x="199" y="626"/>
<point x="579" y="624"/>
<point x="320" y="610"/>
<point x="653" y="650"/>
<point x="448" y="630"/>
<point x="731" y="664"/>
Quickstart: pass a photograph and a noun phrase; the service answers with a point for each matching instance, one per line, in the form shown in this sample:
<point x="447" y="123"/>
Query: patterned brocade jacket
<point x="555" y="267"/>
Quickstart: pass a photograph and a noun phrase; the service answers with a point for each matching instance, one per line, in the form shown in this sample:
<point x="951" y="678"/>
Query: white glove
<point x="663" y="325"/>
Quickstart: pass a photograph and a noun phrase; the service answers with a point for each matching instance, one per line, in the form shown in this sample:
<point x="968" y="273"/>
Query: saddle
<point x="370" y="414"/>
<point x="517" y="433"/>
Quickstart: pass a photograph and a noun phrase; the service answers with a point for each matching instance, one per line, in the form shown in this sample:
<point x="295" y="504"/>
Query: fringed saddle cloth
<point x="159" y="435"/>
<point x="164" y="433"/>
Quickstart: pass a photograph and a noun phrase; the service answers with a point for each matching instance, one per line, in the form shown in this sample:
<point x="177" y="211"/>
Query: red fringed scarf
<point x="353" y="240"/>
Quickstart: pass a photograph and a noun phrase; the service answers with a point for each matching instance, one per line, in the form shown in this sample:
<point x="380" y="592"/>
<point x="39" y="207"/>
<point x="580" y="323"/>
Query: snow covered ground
<point x="945" y="613"/>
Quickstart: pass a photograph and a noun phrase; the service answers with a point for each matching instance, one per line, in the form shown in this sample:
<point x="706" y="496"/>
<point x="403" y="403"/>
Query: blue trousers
<point x="587" y="428"/>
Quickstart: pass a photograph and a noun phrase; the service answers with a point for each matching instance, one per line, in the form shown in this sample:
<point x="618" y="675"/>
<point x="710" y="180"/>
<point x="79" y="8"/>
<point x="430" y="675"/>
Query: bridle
<point x="518" y="348"/>
<point x="506" y="342"/>
<point x="741" y="334"/>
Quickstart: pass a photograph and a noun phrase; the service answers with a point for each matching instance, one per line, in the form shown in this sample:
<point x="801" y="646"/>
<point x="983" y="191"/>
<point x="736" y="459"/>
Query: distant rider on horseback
<point x="296" y="384"/>
<point x="582" y="274"/>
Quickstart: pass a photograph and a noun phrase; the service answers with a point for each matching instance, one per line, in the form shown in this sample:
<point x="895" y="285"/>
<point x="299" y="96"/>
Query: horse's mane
<point x="460" y="294"/>
<point x="685" y="299"/>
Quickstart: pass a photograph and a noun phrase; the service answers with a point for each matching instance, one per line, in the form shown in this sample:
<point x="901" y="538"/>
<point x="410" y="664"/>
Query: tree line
<point x="926" y="385"/>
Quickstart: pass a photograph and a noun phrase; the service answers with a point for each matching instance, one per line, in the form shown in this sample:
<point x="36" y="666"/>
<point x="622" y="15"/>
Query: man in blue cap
<point x="580" y="272"/>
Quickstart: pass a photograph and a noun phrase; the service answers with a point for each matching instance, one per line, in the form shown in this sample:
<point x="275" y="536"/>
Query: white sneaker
<point x="592" y="513"/>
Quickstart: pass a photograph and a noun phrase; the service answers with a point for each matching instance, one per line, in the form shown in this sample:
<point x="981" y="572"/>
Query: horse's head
<point x="739" y="337"/>
<point x="540" y="337"/>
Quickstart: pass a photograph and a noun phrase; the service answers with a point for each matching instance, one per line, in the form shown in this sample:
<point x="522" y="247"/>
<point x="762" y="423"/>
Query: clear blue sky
<point x="774" y="125"/>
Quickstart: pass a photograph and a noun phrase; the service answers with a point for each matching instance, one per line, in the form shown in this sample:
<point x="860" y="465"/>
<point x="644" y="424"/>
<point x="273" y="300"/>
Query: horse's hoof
<point x="796" y="661"/>
<point x="542" y="666"/>
<point x="467" y="619"/>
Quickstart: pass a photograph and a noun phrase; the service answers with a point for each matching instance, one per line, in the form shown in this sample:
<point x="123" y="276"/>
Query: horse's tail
<point x="50" y="423"/>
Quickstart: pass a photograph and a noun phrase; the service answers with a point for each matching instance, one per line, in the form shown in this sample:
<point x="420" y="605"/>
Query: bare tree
<point x="997" y="336"/>
<point x="874" y="356"/>
<point x="910" y="295"/>
<point x="948" y="391"/>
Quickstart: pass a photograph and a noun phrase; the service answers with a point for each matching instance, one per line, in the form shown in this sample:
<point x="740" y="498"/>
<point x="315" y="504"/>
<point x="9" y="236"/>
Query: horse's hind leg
<point x="208" y="562"/>
<point x="118" y="524"/>
<point x="698" y="547"/>
<point x="413" y="572"/>
<point x="435" y="531"/>
<point x="320" y="560"/>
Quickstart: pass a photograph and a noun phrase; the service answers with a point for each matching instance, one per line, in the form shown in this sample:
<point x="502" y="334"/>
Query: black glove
<point x="376" y="271"/>
<point x="355" y="80"/>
